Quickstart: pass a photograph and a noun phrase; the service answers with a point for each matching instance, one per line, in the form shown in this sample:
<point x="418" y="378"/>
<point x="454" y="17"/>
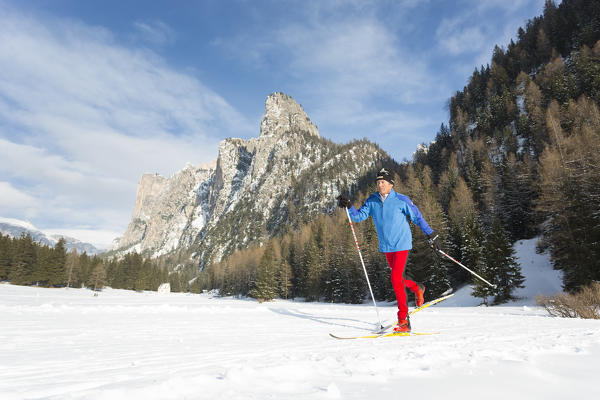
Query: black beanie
<point x="385" y="175"/>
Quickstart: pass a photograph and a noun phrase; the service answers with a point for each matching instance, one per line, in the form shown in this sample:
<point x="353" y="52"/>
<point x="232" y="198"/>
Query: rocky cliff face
<point x="256" y="189"/>
<point x="168" y="213"/>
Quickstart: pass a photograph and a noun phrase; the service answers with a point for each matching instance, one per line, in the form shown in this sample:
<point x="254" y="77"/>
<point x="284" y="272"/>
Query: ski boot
<point x="403" y="326"/>
<point x="419" y="299"/>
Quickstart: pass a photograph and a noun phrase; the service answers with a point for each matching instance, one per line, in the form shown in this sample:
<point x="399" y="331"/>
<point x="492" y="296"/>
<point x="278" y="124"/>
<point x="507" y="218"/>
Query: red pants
<point x="397" y="262"/>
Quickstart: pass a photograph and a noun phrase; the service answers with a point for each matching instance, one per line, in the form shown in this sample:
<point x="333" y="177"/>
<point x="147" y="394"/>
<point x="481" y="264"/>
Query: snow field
<point x="68" y="344"/>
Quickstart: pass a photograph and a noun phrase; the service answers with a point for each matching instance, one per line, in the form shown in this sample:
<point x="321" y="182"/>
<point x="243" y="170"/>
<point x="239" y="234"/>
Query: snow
<point x="17" y="222"/>
<point x="540" y="278"/>
<point x="69" y="344"/>
<point x="521" y="102"/>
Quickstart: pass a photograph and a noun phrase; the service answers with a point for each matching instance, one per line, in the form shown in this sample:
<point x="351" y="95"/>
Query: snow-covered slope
<point x="540" y="278"/>
<point x="67" y="344"/>
<point x="15" y="228"/>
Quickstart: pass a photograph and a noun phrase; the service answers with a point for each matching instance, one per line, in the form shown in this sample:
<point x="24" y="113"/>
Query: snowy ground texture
<point x="68" y="344"/>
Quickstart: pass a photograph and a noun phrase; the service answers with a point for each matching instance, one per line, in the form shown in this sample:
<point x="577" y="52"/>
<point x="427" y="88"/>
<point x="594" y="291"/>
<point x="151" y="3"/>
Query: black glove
<point x="343" y="202"/>
<point x="433" y="242"/>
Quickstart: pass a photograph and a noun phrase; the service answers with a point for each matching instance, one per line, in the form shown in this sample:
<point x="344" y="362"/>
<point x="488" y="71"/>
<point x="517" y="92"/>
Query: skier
<point x="389" y="211"/>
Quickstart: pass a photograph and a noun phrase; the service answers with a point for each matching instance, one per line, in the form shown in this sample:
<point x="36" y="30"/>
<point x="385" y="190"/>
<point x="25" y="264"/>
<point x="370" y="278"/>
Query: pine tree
<point x="473" y="254"/>
<point x="312" y="266"/>
<point x="461" y="208"/>
<point x="85" y="271"/>
<point x="536" y="126"/>
<point x="284" y="270"/>
<point x="586" y="69"/>
<point x="265" y="286"/>
<point x="355" y="284"/>
<point x="72" y="267"/>
<point x="284" y="282"/>
<point x="333" y="278"/>
<point x="196" y="286"/>
<point x="23" y="261"/>
<point x="41" y="268"/>
<point x="114" y="271"/>
<point x="156" y="280"/>
<point x="5" y="256"/>
<point x="570" y="182"/>
<point x="98" y="277"/>
<point x="133" y="271"/>
<point x="56" y="266"/>
<point x="517" y="197"/>
<point x="438" y="151"/>
<point x="296" y="260"/>
<point x="141" y="277"/>
<point x="501" y="264"/>
<point x="175" y="282"/>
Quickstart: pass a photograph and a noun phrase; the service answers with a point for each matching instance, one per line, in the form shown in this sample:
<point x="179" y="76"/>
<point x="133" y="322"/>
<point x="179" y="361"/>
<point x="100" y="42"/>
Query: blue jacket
<point x="390" y="220"/>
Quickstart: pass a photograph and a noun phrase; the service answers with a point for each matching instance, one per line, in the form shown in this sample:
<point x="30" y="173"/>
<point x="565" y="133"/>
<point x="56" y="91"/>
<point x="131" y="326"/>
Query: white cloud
<point x="483" y="24"/>
<point x="12" y="198"/>
<point x="507" y="7"/>
<point x="349" y="58"/>
<point x="154" y="32"/>
<point x="456" y="37"/>
<point x="82" y="117"/>
<point x="468" y="38"/>
<point x="354" y="71"/>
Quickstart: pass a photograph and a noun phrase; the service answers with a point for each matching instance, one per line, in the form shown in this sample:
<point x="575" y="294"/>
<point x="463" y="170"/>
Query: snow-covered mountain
<point x="256" y="187"/>
<point x="15" y="228"/>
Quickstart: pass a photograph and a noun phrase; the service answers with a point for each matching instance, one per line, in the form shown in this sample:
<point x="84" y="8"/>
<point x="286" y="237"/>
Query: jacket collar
<point x="392" y="193"/>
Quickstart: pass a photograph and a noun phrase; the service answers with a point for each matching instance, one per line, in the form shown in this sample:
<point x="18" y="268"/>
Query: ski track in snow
<point x="68" y="344"/>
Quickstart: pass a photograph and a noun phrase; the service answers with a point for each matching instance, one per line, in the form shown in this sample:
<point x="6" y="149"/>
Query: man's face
<point x="384" y="187"/>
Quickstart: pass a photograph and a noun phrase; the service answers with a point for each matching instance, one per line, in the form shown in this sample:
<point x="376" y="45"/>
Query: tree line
<point x="320" y="261"/>
<point x="26" y="262"/>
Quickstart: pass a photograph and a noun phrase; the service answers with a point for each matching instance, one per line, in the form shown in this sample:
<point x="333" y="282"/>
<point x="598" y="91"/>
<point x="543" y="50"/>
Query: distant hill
<point x="16" y="228"/>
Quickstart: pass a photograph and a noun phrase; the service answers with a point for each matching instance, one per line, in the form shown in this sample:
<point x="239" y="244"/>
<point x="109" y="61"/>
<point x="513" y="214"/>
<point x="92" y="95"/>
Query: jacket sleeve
<point x="361" y="214"/>
<point x="415" y="216"/>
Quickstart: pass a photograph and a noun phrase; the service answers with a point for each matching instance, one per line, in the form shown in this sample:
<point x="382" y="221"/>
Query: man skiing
<point x="389" y="211"/>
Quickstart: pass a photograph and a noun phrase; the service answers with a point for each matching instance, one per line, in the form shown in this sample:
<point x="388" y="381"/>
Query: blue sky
<point x="95" y="93"/>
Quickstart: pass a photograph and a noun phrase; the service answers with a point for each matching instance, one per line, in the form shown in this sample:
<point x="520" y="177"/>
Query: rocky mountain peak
<point x="284" y="115"/>
<point x="255" y="189"/>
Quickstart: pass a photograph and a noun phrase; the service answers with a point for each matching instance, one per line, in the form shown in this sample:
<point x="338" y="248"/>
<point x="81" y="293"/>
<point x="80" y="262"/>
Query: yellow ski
<point x="385" y="335"/>
<point x="424" y="306"/>
<point x="382" y="332"/>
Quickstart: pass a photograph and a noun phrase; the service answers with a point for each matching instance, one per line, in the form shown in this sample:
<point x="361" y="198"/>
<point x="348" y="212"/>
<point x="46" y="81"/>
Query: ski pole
<point x="364" y="269"/>
<point x="494" y="286"/>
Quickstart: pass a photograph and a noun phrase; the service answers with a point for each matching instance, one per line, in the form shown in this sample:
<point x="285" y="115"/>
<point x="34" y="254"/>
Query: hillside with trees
<point x="519" y="159"/>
